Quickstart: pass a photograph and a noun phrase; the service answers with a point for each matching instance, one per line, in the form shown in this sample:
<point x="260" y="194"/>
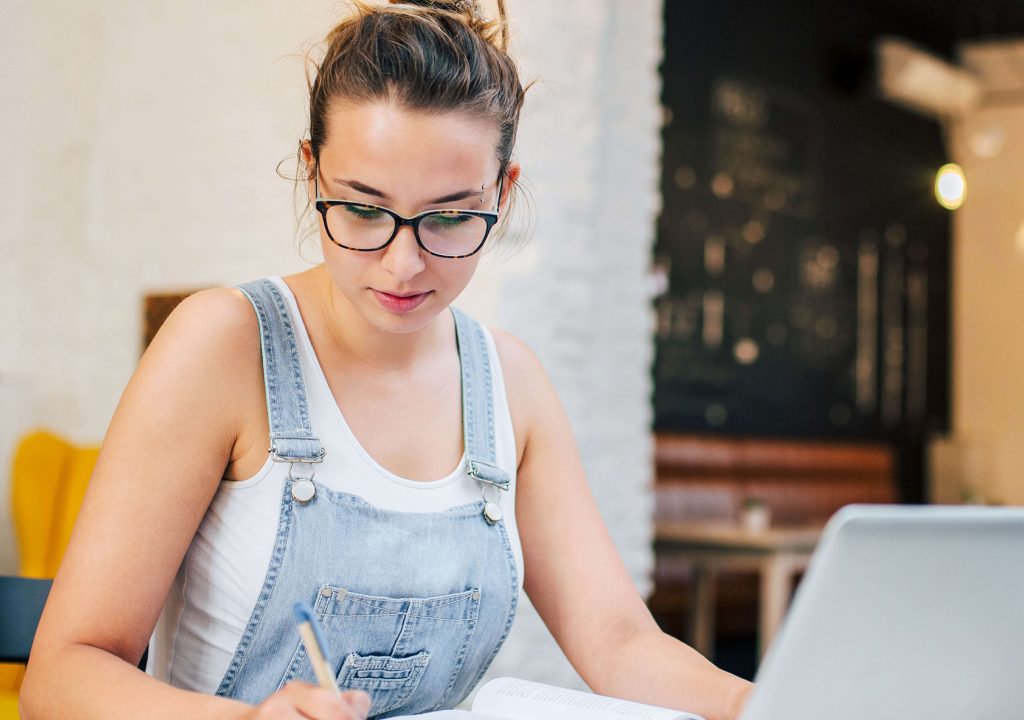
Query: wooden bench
<point x="704" y="478"/>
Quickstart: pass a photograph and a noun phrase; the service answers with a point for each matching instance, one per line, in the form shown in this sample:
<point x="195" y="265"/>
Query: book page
<point x="448" y="715"/>
<point x="524" y="700"/>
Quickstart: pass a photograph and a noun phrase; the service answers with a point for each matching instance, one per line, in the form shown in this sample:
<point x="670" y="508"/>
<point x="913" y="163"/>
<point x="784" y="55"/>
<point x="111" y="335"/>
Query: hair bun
<point x="494" y="31"/>
<point x="447" y="5"/>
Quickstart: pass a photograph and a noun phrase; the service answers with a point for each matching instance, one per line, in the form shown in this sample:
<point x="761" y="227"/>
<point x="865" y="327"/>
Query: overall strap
<point x="291" y="437"/>
<point x="477" y="402"/>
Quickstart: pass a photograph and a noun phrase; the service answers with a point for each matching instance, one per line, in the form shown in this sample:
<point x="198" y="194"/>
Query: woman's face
<point x="410" y="162"/>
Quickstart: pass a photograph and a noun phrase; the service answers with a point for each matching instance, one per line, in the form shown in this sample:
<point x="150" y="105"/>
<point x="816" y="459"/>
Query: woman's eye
<point x="364" y="212"/>
<point x="451" y="219"/>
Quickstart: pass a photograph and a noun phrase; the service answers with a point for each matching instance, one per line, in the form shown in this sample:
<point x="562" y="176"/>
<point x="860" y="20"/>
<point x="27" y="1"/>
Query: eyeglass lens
<point x="447" y="232"/>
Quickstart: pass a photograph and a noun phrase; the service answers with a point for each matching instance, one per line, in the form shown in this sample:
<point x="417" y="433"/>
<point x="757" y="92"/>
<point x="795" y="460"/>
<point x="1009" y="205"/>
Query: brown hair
<point x="427" y="55"/>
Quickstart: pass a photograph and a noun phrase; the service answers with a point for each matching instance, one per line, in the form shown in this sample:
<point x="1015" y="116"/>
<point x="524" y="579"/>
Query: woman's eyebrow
<point x="367" y="190"/>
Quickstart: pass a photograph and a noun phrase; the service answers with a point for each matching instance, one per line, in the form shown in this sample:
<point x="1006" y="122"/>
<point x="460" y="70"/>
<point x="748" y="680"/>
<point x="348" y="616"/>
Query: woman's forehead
<point x="384" y="143"/>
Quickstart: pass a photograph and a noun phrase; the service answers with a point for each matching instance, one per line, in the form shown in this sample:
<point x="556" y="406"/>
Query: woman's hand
<point x="739" y="699"/>
<point x="303" y="701"/>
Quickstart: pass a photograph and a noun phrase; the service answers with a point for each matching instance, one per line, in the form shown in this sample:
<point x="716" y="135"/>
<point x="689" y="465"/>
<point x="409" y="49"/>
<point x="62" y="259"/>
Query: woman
<point x="196" y="540"/>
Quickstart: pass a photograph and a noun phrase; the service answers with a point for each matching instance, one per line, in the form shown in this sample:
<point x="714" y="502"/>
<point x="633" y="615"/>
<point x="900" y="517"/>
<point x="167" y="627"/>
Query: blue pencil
<point x="316" y="648"/>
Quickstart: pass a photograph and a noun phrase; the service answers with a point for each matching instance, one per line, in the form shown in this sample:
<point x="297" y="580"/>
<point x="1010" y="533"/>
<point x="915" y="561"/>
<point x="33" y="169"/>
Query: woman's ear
<point x="512" y="172"/>
<point x="308" y="161"/>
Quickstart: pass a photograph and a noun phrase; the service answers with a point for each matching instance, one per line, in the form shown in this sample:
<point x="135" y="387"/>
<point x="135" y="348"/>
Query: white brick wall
<point x="590" y="150"/>
<point x="141" y="156"/>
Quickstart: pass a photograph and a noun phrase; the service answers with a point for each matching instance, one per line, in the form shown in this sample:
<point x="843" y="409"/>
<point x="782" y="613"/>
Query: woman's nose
<point x="403" y="257"/>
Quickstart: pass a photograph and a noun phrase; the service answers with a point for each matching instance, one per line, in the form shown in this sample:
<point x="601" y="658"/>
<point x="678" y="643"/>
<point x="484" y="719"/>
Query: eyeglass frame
<point x="323" y="204"/>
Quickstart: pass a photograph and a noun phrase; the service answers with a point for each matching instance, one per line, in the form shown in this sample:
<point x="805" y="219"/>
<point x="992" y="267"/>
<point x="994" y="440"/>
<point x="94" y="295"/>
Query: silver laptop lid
<point x="905" y="612"/>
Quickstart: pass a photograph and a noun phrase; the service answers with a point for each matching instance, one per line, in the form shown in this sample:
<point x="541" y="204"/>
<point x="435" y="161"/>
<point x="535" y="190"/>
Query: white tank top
<point x="215" y="590"/>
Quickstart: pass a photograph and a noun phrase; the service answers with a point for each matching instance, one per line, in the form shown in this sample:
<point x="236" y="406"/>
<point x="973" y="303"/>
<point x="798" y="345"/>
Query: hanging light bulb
<point x="950" y="186"/>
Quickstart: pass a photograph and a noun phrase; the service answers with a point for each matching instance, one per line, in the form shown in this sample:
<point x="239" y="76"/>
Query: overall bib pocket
<point x="401" y="651"/>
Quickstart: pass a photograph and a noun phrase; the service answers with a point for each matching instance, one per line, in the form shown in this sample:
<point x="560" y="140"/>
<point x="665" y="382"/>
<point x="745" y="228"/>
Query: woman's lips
<point x="399" y="304"/>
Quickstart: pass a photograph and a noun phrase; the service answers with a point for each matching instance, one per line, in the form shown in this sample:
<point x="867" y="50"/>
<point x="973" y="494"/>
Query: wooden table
<point x="776" y="554"/>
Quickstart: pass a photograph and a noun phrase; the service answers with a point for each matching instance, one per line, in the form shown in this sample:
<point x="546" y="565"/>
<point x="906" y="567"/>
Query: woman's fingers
<point x="302" y="700"/>
<point x="358" y="701"/>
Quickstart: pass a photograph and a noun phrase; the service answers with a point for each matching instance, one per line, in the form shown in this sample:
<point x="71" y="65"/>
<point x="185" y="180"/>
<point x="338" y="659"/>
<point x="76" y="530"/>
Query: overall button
<point x="492" y="512"/>
<point x="303" y="490"/>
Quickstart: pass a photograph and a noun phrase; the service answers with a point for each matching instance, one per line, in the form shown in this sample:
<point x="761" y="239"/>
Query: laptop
<point x="905" y="612"/>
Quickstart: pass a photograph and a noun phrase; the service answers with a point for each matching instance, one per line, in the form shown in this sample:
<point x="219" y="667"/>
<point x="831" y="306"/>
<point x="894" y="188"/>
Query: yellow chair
<point x="48" y="482"/>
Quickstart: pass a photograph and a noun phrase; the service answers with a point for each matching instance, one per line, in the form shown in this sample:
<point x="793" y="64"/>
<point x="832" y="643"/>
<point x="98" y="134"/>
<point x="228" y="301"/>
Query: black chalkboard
<point x="806" y="259"/>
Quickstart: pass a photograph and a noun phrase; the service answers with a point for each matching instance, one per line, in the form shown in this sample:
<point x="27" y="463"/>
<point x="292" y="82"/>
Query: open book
<point x="511" y="699"/>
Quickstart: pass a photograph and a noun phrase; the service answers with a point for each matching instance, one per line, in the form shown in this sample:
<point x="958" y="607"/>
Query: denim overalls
<point x="413" y="606"/>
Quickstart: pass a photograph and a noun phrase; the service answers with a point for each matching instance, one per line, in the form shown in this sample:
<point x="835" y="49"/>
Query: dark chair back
<point x="21" y="604"/>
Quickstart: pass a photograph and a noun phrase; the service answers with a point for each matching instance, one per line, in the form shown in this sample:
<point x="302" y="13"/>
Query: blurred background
<point x="735" y="263"/>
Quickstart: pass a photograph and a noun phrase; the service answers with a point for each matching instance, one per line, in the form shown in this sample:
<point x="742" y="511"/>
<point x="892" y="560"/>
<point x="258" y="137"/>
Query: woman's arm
<point x="574" y="575"/>
<point x="162" y="459"/>
<point x="195" y="404"/>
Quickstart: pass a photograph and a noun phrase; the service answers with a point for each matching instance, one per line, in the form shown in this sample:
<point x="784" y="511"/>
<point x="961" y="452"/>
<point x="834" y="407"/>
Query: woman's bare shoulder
<point x="518" y="362"/>
<point x="222" y="317"/>
<point x="531" y="396"/>
<point x="209" y="349"/>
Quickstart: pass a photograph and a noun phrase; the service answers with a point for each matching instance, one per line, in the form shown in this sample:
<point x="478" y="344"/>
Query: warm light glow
<point x="950" y="186"/>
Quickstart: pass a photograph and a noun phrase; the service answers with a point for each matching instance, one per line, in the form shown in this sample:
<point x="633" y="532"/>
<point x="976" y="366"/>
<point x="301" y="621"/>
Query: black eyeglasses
<point x="367" y="228"/>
